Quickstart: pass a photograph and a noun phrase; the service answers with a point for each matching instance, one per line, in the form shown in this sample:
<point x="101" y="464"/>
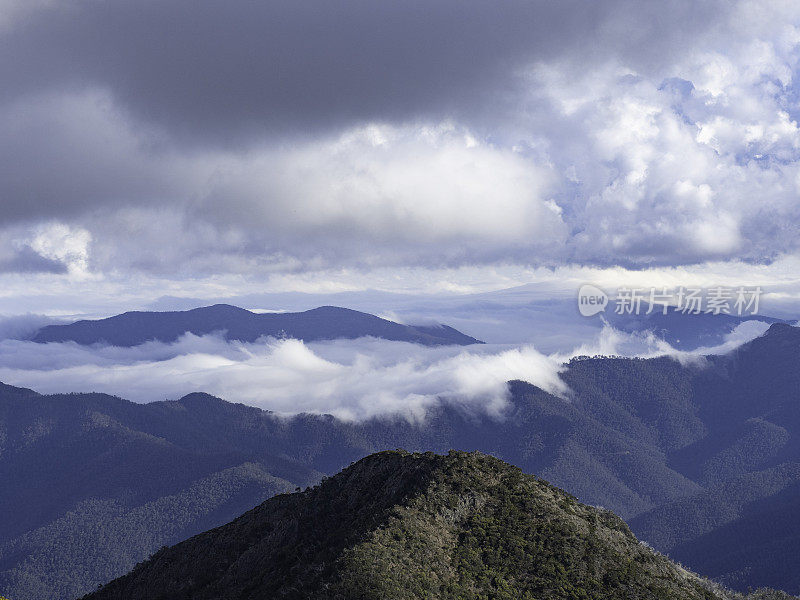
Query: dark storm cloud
<point x="25" y="260"/>
<point x="194" y="138"/>
<point x="224" y="71"/>
<point x="62" y="154"/>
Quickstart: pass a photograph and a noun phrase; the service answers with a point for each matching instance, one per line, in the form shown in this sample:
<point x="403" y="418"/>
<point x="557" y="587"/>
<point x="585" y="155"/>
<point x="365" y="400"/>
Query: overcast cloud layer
<point x="183" y="140"/>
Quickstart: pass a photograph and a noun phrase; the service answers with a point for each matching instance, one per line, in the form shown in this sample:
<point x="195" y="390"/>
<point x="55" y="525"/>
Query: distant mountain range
<point x="703" y="459"/>
<point x="396" y="526"/>
<point x="323" y="323"/>
<point x="684" y="331"/>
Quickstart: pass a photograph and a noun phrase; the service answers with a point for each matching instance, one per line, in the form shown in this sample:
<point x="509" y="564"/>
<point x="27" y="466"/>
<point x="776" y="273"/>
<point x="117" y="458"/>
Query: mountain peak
<point x="399" y="525"/>
<point x="334" y="309"/>
<point x="200" y="398"/>
<point x="222" y="308"/>
<point x="779" y="338"/>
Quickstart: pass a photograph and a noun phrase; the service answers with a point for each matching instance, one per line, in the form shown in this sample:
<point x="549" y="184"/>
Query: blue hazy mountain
<point x="323" y="323"/>
<point x="684" y="331"/>
<point x="702" y="459"/>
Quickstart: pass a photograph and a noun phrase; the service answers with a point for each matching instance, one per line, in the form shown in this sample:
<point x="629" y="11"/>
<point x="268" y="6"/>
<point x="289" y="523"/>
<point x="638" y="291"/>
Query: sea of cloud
<point x="352" y="379"/>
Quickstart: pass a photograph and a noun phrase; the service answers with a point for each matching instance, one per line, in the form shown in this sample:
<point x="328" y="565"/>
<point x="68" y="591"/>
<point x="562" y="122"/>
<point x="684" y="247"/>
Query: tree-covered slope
<point x="692" y="454"/>
<point x="89" y="488"/>
<point x="96" y="460"/>
<point x="743" y="532"/>
<point x="100" y="538"/>
<point x="400" y="526"/>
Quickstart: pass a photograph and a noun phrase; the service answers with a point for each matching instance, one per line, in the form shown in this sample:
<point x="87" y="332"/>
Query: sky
<point x="353" y="145"/>
<point x="407" y="158"/>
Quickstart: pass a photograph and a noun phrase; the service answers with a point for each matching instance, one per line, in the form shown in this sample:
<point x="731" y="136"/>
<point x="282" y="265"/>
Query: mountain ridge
<point x="684" y="330"/>
<point x="322" y="323"/>
<point x="400" y="525"/>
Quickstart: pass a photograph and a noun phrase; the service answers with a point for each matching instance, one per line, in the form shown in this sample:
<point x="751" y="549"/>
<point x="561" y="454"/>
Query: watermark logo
<point x="719" y="300"/>
<point x="591" y="300"/>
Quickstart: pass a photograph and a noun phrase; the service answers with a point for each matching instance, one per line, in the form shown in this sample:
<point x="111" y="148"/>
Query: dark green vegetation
<point x="702" y="459"/>
<point x="323" y="323"/>
<point x="398" y="525"/>
<point x="85" y="497"/>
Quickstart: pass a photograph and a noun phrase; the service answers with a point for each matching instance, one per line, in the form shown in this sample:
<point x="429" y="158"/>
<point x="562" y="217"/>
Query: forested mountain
<point x="702" y="458"/>
<point x="745" y="530"/>
<point x="86" y="494"/>
<point x="323" y="323"/>
<point x="398" y="525"/>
